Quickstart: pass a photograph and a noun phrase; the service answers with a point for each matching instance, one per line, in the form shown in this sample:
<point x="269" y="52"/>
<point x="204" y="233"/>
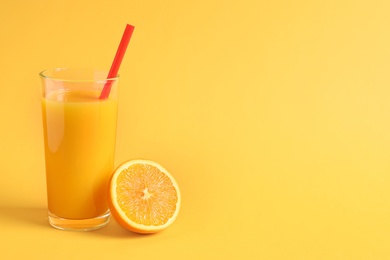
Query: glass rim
<point x="43" y="75"/>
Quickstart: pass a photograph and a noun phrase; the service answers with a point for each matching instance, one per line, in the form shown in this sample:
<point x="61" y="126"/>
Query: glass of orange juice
<point x="79" y="139"/>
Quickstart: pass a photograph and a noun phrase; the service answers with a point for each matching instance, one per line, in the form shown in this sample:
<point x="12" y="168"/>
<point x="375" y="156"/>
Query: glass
<point x="79" y="139"/>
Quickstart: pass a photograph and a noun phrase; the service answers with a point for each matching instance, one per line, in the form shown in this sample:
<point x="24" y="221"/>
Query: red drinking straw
<point x="117" y="60"/>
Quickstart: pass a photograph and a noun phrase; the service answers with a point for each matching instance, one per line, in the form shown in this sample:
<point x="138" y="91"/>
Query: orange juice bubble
<point x="79" y="135"/>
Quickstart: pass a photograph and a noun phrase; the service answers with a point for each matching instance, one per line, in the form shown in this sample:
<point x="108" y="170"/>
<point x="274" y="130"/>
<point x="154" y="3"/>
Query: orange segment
<point x="143" y="196"/>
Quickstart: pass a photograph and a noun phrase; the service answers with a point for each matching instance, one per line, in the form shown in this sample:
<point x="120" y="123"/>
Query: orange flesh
<point x="146" y="195"/>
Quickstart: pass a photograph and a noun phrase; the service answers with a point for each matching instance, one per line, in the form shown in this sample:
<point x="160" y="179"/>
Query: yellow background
<point x="273" y="116"/>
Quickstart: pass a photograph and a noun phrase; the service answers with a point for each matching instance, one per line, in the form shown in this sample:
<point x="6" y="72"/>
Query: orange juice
<point x="79" y="133"/>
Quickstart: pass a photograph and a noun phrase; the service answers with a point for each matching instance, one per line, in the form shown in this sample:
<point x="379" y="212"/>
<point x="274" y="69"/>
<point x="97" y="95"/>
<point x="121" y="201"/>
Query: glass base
<point x="79" y="224"/>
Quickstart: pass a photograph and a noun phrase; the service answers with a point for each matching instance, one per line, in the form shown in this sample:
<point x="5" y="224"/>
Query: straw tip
<point x="129" y="26"/>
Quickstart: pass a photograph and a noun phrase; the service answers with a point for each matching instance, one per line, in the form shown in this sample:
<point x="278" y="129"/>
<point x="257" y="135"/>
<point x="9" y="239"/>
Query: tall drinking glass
<point x="79" y="139"/>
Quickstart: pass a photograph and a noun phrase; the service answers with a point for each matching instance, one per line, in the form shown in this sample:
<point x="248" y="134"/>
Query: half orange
<point x="143" y="196"/>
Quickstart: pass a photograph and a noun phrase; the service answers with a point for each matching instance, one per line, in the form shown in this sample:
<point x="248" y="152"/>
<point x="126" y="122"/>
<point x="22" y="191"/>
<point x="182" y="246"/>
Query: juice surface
<point x="79" y="133"/>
